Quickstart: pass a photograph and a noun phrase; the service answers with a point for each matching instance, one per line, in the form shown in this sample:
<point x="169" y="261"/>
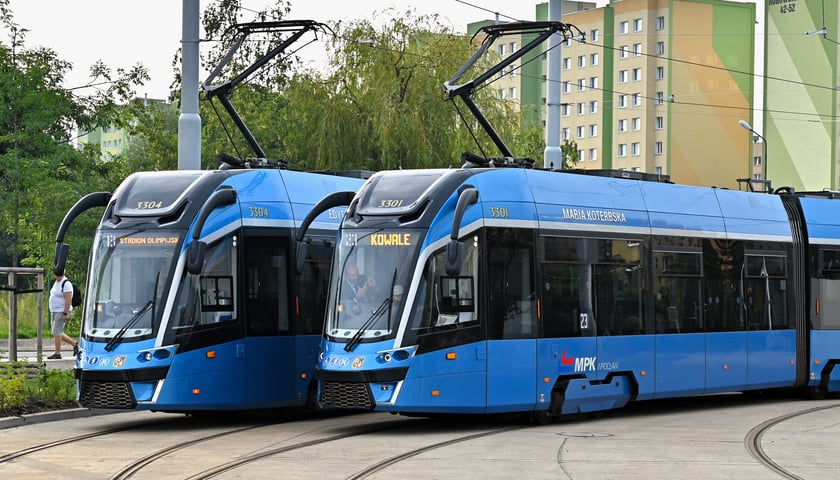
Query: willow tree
<point x="382" y="104"/>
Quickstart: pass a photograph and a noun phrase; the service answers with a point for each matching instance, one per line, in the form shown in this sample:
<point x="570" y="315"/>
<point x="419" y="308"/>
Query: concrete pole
<point x="553" y="154"/>
<point x="189" y="123"/>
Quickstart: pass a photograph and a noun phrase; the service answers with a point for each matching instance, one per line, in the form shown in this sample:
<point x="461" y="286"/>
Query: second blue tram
<point x="490" y="290"/>
<point x="192" y="303"/>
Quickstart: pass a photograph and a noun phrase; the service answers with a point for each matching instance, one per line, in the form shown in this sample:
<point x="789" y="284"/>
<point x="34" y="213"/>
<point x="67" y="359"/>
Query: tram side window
<point x="722" y="262"/>
<point x="511" y="292"/>
<point x="266" y="285"/>
<point x="765" y="296"/>
<point x="618" y="274"/>
<point x="313" y="289"/>
<point x="827" y="283"/>
<point x="217" y="284"/>
<point x="677" y="292"/>
<point x="444" y="301"/>
<point x="566" y="288"/>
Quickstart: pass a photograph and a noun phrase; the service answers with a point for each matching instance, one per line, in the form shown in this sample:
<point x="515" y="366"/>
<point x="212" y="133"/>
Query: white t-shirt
<point x="57" y="301"/>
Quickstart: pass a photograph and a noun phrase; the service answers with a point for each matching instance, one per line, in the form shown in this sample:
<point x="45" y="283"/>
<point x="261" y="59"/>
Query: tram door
<point x="512" y="333"/>
<point x="269" y="350"/>
<point x="568" y="344"/>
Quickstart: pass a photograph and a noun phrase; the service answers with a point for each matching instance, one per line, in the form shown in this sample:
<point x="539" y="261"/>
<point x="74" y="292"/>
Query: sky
<point x="123" y="33"/>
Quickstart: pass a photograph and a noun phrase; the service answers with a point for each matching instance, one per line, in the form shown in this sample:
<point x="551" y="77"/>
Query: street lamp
<point x="749" y="127"/>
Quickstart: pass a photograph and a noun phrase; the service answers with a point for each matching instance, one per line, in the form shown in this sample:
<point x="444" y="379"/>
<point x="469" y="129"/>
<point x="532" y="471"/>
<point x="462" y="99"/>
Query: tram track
<point x="76" y="438"/>
<point x="383" y="464"/>
<point x="247" y="459"/>
<point x="752" y="441"/>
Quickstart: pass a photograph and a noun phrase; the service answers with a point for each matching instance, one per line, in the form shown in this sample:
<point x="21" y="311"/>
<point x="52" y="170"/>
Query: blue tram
<point x="511" y="289"/>
<point x="497" y="287"/>
<point x="192" y="303"/>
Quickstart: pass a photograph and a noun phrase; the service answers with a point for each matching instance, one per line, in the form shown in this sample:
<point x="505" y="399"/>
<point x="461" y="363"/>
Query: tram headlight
<point x="147" y="356"/>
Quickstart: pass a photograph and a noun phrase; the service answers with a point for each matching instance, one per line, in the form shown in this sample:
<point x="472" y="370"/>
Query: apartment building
<point x="655" y="86"/>
<point x="801" y="105"/>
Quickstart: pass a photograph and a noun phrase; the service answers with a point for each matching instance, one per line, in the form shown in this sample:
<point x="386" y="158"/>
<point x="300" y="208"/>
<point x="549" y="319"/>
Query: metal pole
<point x="553" y="156"/>
<point x="12" y="318"/>
<point x="189" y="123"/>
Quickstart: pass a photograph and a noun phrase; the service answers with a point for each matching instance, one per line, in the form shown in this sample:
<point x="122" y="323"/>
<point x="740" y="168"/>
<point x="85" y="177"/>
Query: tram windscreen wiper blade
<point x="373" y="316"/>
<point x="116" y="340"/>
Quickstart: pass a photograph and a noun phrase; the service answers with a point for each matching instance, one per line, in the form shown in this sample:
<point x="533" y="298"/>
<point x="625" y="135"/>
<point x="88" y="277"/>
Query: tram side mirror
<point x="467" y="195"/>
<point x="300" y="258"/>
<point x="195" y="257"/>
<point x="454" y="257"/>
<point x="60" y="261"/>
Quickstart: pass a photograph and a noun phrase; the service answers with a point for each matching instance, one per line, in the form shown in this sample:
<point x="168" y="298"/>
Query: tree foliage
<point x="41" y="173"/>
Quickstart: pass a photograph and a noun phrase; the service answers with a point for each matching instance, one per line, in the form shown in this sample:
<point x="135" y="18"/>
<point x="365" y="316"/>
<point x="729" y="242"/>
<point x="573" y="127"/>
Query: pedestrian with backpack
<point x="61" y="306"/>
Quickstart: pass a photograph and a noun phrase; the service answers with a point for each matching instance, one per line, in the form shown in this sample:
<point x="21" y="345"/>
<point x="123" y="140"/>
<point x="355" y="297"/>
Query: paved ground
<point x="27" y="351"/>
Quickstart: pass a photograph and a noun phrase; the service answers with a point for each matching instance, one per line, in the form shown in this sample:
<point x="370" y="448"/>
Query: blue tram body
<point x="239" y="331"/>
<point x="554" y="292"/>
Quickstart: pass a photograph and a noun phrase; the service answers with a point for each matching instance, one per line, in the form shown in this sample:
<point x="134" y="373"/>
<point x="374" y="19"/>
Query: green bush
<point x="27" y="388"/>
<point x="12" y="387"/>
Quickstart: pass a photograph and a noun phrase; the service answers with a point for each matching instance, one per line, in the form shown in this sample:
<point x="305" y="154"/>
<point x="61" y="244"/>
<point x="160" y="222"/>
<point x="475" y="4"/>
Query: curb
<point x="43" y="417"/>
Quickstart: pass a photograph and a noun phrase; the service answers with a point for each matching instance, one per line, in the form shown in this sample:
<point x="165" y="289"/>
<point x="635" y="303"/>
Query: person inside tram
<point x="357" y="288"/>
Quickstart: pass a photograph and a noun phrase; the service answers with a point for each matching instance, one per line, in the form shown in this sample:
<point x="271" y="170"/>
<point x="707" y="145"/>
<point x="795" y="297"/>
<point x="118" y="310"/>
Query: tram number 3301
<point x="498" y="212"/>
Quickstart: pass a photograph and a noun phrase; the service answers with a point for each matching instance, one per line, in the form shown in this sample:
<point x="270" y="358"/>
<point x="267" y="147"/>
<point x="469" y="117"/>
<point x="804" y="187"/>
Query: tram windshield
<point x="129" y="270"/>
<point x="370" y="283"/>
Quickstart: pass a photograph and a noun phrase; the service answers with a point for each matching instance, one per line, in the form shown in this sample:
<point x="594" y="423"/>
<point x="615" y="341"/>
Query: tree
<point x="571" y="154"/>
<point x="41" y="173"/>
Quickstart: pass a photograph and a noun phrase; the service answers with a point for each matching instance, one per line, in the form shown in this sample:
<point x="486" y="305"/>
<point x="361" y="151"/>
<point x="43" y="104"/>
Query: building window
<point x="637" y="99"/>
<point x="657" y="148"/>
<point x="593" y="82"/>
<point x="637" y="74"/>
<point x="623" y="27"/>
<point x="567" y="63"/>
<point x="622" y="51"/>
<point x="593" y="59"/>
<point x="567" y="87"/>
<point x="636" y="148"/>
<point x="581" y="85"/>
<point x="658" y="170"/>
<point x="581" y="61"/>
<point x="660" y="48"/>
<point x="512" y="47"/>
<point x="581" y="132"/>
<point x="660" y="73"/>
<point x="580" y="154"/>
<point x="757" y="161"/>
<point x="593" y="130"/>
<point x="502" y="49"/>
<point x="637" y="124"/>
<point x="593" y="106"/>
<point x="581" y="107"/>
<point x="593" y="154"/>
<point x="593" y="35"/>
<point x="659" y="123"/>
<point x="567" y="133"/>
<point x="501" y="93"/>
<point x="636" y="169"/>
<point x="622" y="125"/>
<point x="637" y="49"/>
<point x="637" y="25"/>
<point x="622" y="149"/>
<point x="622" y="101"/>
<point x="660" y="23"/>
<point x="660" y="98"/>
<point x="566" y="109"/>
<point x="512" y="92"/>
<point x="622" y="76"/>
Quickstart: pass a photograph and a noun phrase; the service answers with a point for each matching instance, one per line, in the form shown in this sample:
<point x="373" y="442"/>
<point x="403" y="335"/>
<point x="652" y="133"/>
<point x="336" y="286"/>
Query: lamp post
<point x="749" y="128"/>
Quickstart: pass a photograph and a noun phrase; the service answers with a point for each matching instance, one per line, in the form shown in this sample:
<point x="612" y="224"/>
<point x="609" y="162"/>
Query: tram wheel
<point x="816" y="393"/>
<point x="542" y="417"/>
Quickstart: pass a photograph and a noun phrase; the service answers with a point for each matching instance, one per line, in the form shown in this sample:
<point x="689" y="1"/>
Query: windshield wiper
<point x="116" y="340"/>
<point x="389" y="300"/>
<point x="373" y="316"/>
